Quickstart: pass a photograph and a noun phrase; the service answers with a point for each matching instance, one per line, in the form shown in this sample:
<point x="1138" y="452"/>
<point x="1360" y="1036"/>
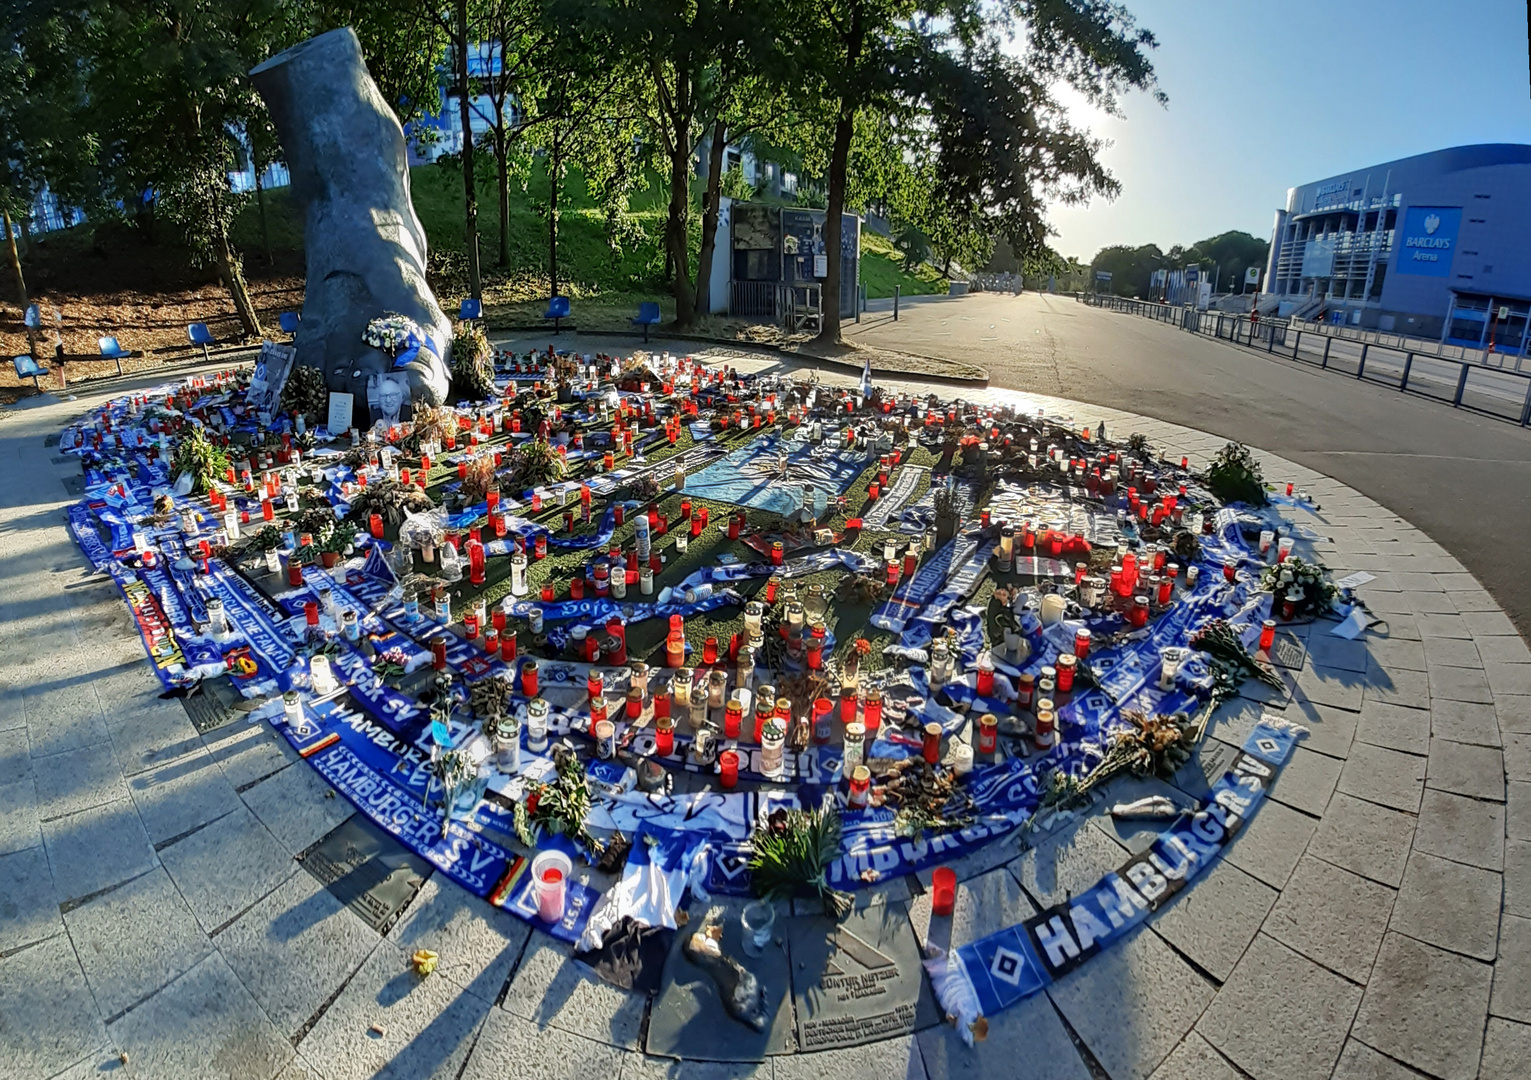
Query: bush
<point x="1235" y="476"/>
<point x="472" y="364"/>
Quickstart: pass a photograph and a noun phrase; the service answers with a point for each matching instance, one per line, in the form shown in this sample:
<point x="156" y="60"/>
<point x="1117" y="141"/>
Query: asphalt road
<point x="1464" y="479"/>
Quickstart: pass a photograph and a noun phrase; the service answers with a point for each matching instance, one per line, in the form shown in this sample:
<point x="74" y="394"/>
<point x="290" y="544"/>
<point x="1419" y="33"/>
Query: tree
<point x="1000" y="142"/>
<point x="1131" y="268"/>
<point x="169" y="95"/>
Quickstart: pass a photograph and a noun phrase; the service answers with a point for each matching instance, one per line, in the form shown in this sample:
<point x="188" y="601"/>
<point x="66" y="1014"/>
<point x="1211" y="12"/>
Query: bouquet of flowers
<point x="391" y="333"/>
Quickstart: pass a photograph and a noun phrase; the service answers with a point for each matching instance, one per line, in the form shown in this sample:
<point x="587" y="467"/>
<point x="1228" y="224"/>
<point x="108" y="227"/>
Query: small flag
<point x="866" y="376"/>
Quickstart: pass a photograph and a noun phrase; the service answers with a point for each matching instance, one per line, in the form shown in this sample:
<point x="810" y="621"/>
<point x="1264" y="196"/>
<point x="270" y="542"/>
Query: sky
<point x="1272" y="94"/>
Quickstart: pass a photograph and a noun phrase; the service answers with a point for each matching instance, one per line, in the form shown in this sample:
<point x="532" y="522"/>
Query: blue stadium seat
<point x="288" y="320"/>
<point x="200" y="335"/>
<point x="112" y="350"/>
<point x="648" y="315"/>
<point x="558" y="309"/>
<point x="28" y="368"/>
<point x="472" y="308"/>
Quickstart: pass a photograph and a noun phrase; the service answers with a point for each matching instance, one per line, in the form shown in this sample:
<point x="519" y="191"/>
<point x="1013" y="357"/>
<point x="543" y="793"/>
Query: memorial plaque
<point x="1197" y="776"/>
<point x="213" y="705"/>
<point x="368" y="871"/>
<point x="859" y="980"/>
<point x="688" y="1019"/>
<point x="1288" y="651"/>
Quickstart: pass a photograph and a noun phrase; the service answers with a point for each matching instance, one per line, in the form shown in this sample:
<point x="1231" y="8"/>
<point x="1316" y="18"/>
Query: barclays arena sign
<point x="1429" y="240"/>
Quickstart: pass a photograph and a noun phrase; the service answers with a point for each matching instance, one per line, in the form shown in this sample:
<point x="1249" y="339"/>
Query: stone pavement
<point x="1374" y="921"/>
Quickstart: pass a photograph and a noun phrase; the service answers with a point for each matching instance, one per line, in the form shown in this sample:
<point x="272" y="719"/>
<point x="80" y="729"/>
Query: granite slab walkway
<point x="1375" y="920"/>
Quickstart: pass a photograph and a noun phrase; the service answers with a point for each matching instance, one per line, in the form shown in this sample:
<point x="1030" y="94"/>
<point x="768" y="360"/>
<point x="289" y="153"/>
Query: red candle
<point x="943" y="891"/>
<point x="439" y="653"/>
<point x="1082" y="643"/>
<point x="311" y="612"/>
<point x="1228" y="571"/>
<point x="664" y="734"/>
<point x="266" y="510"/>
<point x="1267" y="635"/>
<point x="529" y="677"/>
<point x="778" y="552"/>
<point x="476" y="562"/>
<point x="733" y="719"/>
<point x="988" y="733"/>
<point x="728" y="769"/>
<point x="577" y="588"/>
<point x="491" y="641"/>
<point x="1066" y="664"/>
<point x="375" y="525"/>
<point x="508" y="645"/>
<point x="1137" y="615"/>
<point x="710" y="651"/>
<point x="295" y="574"/>
<point x="930" y="746"/>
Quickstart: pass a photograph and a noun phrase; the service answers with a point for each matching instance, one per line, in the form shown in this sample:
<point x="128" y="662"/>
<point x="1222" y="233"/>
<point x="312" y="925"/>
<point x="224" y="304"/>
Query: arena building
<point x="1434" y="246"/>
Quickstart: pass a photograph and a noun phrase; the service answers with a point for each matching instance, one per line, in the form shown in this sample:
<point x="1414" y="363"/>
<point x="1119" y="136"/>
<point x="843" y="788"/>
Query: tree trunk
<point x="553" y="220"/>
<point x="502" y="153"/>
<point x="234" y="278"/>
<point x="710" y="211"/>
<point x="829" y="299"/>
<point x="15" y="256"/>
<point x="26" y="236"/>
<point x="260" y="205"/>
<point x="676" y="240"/>
<point x="470" y="195"/>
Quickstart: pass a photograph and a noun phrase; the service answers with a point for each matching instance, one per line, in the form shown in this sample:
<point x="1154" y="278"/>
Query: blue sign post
<point x="1429" y="240"/>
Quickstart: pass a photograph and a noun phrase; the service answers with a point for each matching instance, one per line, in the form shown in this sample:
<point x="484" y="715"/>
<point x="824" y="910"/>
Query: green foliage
<point x="563" y="805"/>
<point x="792" y="851"/>
<point x="1234" y="476"/>
<point x="196" y="455"/>
<point x="305" y="392"/>
<point x="472" y="364"/>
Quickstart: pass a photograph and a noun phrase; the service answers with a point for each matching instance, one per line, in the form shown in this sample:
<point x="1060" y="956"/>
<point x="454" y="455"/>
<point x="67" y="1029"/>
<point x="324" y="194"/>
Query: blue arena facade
<point x="1434" y="246"/>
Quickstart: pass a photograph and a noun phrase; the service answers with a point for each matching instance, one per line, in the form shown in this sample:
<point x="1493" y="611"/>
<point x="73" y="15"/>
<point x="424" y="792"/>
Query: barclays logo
<point x="1432" y="223"/>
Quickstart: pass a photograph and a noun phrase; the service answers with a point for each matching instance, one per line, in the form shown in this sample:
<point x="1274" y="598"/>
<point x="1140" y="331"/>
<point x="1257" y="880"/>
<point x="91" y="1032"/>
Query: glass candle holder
<point x="854" y="746"/>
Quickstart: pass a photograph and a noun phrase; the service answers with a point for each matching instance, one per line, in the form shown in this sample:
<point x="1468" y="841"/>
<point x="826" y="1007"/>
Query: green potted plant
<point x="947" y="516"/>
<point x="336" y="541"/>
<point x="197" y="457"/>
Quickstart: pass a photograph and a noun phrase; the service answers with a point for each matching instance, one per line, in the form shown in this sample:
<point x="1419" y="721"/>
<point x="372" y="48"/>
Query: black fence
<point x="1462" y="384"/>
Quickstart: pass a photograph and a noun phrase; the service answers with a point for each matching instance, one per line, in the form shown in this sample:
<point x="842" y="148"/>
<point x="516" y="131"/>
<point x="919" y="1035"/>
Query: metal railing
<point x="1463" y="384"/>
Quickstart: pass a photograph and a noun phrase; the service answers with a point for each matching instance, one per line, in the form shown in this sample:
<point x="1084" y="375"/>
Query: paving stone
<point x="1330" y="730"/>
<point x="1517" y="756"/>
<point x="15" y="756"/>
<point x="644" y="1067"/>
<point x="1503" y="678"/>
<point x="1332" y="917"/>
<point x="19" y="826"/>
<point x="1269" y="845"/>
<point x="428" y="1026"/>
<point x="1067" y="863"/>
<point x="1395" y="727"/>
<point x="248" y="752"/>
<point x="203" y="1024"/>
<point x="1307" y="781"/>
<point x="1466" y="830"/>
<point x="134" y="940"/>
<point x="1459" y="684"/>
<point x="1326" y="650"/>
<point x="1028" y="1038"/>
<point x="64" y="719"/>
<point x="1365" y="839"/>
<point x="1503" y="650"/>
<point x="510" y="1046"/>
<point x="295" y="949"/>
<point x="1452" y="652"/>
<point x="1132" y="1003"/>
<point x="995" y="853"/>
<point x="1396" y="654"/>
<point x="146" y="738"/>
<point x="1450" y="905"/>
<point x="687" y="1018"/>
<point x="77" y="780"/>
<point x="28" y="903"/>
<point x="1512" y="974"/>
<point x="1517" y="805"/>
<point x="95" y="848"/>
<point x="298" y="806"/>
<point x="1517" y="877"/>
<point x="549" y="990"/>
<point x="1477" y="771"/>
<point x="1384" y="776"/>
<point x="176" y="798"/>
<point x="1195" y="1059"/>
<point x="1506" y="1049"/>
<point x="892" y="1059"/>
<point x="1489" y="623"/>
<point x="1209" y="762"/>
<point x="884" y="892"/>
<point x="1332" y="686"/>
<point x="984" y="906"/>
<point x="477" y="942"/>
<point x="1398" y="687"/>
<point x="1443" y="625"/>
<point x="48" y="1019"/>
<point x="1401" y="1013"/>
<point x="1465" y="722"/>
<point x="1302" y="1038"/>
<point x="223" y="869"/>
<point x="1212" y="922"/>
<point x="1360" y="1062"/>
